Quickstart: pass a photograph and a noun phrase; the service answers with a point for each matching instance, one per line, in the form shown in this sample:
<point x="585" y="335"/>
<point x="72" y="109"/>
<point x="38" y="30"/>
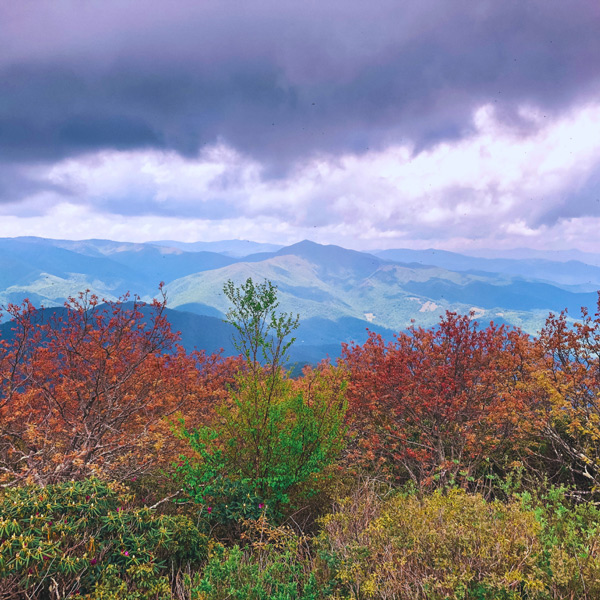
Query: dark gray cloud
<point x="282" y="81"/>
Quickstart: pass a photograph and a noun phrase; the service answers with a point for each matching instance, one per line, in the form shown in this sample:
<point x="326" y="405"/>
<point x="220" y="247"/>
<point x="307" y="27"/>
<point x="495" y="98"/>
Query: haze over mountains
<point x="339" y="293"/>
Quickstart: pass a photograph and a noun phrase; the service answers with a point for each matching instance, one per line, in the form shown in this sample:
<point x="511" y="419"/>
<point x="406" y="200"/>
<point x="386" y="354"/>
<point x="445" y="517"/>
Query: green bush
<point x="269" y="436"/>
<point x="237" y="479"/>
<point x="137" y="582"/>
<point x="62" y="539"/>
<point x="570" y="538"/>
<point x="276" y="565"/>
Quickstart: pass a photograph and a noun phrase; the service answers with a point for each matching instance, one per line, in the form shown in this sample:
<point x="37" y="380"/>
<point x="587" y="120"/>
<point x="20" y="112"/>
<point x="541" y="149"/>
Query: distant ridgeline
<point x="338" y="293"/>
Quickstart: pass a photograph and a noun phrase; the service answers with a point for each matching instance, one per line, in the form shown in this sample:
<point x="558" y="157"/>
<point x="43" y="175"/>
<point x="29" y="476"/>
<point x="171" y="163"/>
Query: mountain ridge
<point x="338" y="292"/>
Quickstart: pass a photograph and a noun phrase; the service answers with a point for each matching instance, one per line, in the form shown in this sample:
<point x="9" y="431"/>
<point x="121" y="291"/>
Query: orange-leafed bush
<point x="85" y="390"/>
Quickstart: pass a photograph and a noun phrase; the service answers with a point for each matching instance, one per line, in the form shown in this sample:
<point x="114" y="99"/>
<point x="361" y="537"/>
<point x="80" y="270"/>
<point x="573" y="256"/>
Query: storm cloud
<point x="282" y="81"/>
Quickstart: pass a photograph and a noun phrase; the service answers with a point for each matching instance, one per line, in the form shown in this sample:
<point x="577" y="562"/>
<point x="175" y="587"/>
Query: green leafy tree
<point x="261" y="331"/>
<point x="270" y="434"/>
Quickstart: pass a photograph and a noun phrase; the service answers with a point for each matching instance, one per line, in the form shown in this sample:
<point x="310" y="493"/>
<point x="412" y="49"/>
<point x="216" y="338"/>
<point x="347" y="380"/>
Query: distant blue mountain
<point x="339" y="293"/>
<point x="589" y="258"/>
<point x="22" y="263"/>
<point x="585" y="277"/>
<point x="517" y="295"/>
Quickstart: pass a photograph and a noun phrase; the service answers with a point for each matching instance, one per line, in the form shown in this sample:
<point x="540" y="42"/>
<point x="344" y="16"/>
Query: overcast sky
<point x="423" y="123"/>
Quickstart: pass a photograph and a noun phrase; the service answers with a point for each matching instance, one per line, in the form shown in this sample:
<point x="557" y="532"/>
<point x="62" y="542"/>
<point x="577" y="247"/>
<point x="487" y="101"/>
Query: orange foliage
<point x="438" y="402"/>
<point x="86" y="391"/>
<point x="571" y="380"/>
<point x="323" y="382"/>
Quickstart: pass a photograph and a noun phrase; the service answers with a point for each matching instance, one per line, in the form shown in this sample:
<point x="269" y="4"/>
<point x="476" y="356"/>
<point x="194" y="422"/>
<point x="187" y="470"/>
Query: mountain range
<point x="338" y="293"/>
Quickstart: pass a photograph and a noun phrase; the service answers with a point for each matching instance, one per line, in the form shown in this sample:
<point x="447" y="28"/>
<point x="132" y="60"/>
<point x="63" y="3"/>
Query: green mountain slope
<point x="332" y="283"/>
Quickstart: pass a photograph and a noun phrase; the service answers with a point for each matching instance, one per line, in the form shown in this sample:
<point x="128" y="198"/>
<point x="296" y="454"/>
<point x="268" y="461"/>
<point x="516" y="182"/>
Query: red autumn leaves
<point x="436" y="404"/>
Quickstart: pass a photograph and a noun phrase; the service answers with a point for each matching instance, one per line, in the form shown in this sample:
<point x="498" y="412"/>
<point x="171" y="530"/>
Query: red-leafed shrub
<point x="437" y="403"/>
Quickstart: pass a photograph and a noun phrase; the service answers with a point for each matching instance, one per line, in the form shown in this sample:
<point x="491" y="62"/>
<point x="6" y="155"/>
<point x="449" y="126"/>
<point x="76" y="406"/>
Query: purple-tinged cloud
<point x="282" y="82"/>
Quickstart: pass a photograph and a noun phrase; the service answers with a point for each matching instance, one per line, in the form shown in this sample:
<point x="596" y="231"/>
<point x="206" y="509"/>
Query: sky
<point x="456" y="124"/>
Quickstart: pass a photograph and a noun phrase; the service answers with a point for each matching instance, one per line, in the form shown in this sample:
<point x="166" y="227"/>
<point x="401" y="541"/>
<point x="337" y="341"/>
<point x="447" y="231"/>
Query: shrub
<point x="441" y="404"/>
<point x="84" y="390"/>
<point x="441" y="546"/>
<point x="271" y="435"/>
<point x="276" y="565"/>
<point x="571" y="379"/>
<point x="63" y="538"/>
<point x="570" y="539"/>
<point x="137" y="582"/>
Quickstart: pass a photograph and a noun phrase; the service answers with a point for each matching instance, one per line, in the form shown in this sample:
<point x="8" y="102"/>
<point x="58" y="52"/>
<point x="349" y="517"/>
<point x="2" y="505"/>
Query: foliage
<point x="570" y="539"/>
<point x="441" y="546"/>
<point x="138" y="582"/>
<point x="85" y="390"/>
<point x="277" y="564"/>
<point x="261" y="330"/>
<point x="571" y="380"/>
<point x="88" y="540"/>
<point x="271" y="435"/>
<point x="437" y="405"/>
<point x="65" y="538"/>
<point x="96" y="389"/>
